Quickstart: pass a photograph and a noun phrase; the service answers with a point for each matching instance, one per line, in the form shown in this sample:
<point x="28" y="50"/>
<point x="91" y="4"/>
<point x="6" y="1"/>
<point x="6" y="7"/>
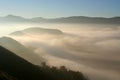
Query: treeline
<point x="55" y="73"/>
<point x="62" y="73"/>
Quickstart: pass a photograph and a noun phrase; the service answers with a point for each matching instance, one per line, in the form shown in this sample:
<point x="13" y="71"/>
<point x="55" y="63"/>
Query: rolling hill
<point x="36" y="31"/>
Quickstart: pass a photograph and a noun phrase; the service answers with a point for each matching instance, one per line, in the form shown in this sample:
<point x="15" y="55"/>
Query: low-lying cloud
<point x="95" y="50"/>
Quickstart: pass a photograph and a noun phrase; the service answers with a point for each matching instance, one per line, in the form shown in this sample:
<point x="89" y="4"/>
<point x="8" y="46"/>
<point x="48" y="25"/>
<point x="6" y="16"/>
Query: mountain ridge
<point x="18" y="67"/>
<point x="21" y="50"/>
<point x="37" y="30"/>
<point x="13" y="67"/>
<point x="71" y="19"/>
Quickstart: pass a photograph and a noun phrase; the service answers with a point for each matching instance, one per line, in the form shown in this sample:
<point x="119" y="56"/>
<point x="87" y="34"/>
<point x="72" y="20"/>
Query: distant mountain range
<point x="72" y="19"/>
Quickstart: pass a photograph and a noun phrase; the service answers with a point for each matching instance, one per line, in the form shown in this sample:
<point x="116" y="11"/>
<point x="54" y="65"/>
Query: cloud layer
<point x="92" y="50"/>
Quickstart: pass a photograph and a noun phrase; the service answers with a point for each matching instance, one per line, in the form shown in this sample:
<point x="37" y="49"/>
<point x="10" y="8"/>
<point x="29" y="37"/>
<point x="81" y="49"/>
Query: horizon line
<point x="59" y="17"/>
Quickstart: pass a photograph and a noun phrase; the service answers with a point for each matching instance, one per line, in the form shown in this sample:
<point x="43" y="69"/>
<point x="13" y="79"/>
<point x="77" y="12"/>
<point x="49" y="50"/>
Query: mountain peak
<point x="13" y="16"/>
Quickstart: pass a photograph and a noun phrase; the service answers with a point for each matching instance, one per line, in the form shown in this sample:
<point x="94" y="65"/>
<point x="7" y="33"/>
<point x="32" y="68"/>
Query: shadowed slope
<point x="22" y="70"/>
<point x="5" y="76"/>
<point x="20" y="50"/>
<point x="18" y="67"/>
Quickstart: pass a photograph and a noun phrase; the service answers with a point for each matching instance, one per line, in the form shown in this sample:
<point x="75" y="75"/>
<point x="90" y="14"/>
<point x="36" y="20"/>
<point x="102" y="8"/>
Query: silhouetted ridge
<point x="13" y="67"/>
<point x="20" y="68"/>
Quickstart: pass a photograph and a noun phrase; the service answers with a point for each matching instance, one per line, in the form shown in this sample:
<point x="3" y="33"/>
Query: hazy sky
<point x="60" y="8"/>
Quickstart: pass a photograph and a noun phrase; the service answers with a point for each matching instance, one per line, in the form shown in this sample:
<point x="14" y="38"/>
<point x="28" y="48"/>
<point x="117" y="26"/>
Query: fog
<point x="90" y="48"/>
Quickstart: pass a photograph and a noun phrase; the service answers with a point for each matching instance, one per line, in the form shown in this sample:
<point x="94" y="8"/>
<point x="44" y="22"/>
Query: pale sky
<point x="60" y="8"/>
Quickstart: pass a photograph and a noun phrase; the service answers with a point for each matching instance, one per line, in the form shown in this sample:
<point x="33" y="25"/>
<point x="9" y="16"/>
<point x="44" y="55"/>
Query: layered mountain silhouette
<point x="20" y="50"/>
<point x="20" y="63"/>
<point x="72" y="19"/>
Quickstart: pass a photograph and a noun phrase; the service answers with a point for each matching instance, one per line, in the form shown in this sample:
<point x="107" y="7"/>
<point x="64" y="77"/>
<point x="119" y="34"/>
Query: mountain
<point x="12" y="18"/>
<point x="20" y="68"/>
<point x="71" y="19"/>
<point x="13" y="67"/>
<point x="18" y="33"/>
<point x="21" y="50"/>
<point x="84" y="19"/>
<point x="36" y="30"/>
